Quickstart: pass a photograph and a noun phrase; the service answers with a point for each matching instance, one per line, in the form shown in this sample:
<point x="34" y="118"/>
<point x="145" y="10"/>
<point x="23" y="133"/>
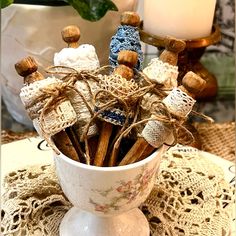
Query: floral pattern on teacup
<point x="125" y="192"/>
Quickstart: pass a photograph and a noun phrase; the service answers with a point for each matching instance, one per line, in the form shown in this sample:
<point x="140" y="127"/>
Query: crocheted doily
<point x="190" y="197"/>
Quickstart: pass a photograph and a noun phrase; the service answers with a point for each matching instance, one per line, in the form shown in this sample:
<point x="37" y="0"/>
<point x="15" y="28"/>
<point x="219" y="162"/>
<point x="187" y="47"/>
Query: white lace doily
<point x="190" y="198"/>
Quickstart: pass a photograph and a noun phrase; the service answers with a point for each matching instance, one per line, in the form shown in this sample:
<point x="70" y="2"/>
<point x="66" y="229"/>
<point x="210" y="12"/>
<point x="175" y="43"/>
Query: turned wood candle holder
<point x="189" y="59"/>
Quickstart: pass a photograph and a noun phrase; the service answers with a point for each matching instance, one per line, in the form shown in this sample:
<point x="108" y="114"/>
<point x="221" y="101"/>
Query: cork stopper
<point x="130" y="18"/>
<point x="127" y="60"/>
<point x="71" y="35"/>
<point x="173" y="47"/>
<point x="27" y="68"/>
<point x="192" y="84"/>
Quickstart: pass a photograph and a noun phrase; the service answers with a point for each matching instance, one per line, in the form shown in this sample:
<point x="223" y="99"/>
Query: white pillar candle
<point x="183" y="19"/>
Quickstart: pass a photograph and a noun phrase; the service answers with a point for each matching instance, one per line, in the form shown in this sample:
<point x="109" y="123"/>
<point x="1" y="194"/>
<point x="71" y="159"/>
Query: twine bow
<point x="130" y="111"/>
<point x="50" y="97"/>
<point x="162" y="114"/>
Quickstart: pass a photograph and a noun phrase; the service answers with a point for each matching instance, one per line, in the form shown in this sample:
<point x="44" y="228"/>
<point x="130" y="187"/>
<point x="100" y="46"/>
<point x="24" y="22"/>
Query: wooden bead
<point x="130" y="18"/>
<point x="169" y="57"/>
<point x="128" y="58"/>
<point x="174" y="45"/>
<point x="26" y="66"/>
<point x="193" y="83"/>
<point x="125" y="71"/>
<point x="71" y="35"/>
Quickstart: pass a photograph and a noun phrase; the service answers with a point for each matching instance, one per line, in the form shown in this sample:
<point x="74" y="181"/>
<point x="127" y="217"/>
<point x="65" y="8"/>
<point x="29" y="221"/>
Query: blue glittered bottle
<point x="127" y="38"/>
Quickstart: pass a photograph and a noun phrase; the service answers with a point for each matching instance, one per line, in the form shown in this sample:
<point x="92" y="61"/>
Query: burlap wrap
<point x="116" y="98"/>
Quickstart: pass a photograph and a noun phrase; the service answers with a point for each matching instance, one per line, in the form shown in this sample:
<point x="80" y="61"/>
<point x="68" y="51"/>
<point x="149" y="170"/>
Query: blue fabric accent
<point x="111" y="116"/>
<point x="126" y="38"/>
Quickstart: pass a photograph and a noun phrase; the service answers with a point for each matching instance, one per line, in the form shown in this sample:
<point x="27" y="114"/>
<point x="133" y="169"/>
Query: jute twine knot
<point x="161" y="114"/>
<point x="125" y="92"/>
<point x="116" y="93"/>
<point x="49" y="99"/>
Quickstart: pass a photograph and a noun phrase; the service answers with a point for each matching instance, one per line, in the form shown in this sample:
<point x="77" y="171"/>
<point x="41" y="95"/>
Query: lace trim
<point x="179" y="103"/>
<point x="155" y="133"/>
<point x="81" y="109"/>
<point x="82" y="58"/>
<point x="126" y="38"/>
<point x="162" y="73"/>
<point x="54" y="120"/>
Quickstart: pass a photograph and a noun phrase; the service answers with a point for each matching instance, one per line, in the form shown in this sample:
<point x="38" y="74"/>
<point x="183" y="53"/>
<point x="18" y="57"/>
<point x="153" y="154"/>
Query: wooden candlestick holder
<point x="189" y="59"/>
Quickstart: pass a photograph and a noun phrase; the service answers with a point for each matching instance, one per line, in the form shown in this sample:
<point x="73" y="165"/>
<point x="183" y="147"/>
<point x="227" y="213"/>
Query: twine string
<point x="79" y="74"/>
<point x="176" y="123"/>
<point x="86" y="129"/>
<point x="203" y="116"/>
<point x="53" y="95"/>
<point x="107" y="98"/>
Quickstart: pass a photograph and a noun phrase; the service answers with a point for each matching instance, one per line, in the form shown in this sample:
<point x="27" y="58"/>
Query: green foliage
<point x="5" y="3"/>
<point x="92" y="10"/>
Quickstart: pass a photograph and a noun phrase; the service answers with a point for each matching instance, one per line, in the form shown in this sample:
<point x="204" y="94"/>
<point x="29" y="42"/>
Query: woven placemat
<point x="216" y="138"/>
<point x="8" y="136"/>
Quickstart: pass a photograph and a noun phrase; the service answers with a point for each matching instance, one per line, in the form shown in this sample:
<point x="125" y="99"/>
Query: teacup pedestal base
<point x="78" y="222"/>
<point x="109" y="196"/>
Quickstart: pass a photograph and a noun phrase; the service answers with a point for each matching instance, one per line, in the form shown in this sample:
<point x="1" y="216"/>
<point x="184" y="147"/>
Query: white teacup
<point x="106" y="199"/>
